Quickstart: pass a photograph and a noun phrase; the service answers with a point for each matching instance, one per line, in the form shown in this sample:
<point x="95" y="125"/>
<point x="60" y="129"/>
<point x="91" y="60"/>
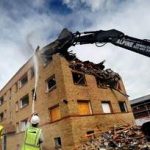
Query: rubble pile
<point x="105" y="77"/>
<point x="117" y="138"/>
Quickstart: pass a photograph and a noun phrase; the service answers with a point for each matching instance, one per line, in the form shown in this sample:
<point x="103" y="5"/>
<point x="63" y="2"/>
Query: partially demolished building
<point x="73" y="99"/>
<point x="141" y="109"/>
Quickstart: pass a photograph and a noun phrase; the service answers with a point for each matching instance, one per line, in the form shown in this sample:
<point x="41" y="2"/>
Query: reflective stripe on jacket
<point x="32" y="136"/>
<point x="1" y="131"/>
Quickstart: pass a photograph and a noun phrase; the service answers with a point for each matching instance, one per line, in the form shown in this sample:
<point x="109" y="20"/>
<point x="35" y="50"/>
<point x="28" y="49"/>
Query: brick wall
<point x="71" y="127"/>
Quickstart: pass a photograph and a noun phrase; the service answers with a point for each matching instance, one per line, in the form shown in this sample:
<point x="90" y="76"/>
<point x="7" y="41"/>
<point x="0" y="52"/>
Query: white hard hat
<point x="35" y="119"/>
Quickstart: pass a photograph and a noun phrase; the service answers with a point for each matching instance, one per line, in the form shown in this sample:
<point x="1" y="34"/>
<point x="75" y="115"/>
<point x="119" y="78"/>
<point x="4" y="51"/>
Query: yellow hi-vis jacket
<point x="1" y="131"/>
<point x="31" y="141"/>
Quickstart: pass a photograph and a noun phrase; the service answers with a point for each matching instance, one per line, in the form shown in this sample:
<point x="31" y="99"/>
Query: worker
<point x="1" y="131"/>
<point x="1" y="135"/>
<point x="33" y="135"/>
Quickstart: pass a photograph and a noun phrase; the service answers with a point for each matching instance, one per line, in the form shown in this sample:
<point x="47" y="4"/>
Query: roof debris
<point x="106" y="78"/>
<point x="117" y="138"/>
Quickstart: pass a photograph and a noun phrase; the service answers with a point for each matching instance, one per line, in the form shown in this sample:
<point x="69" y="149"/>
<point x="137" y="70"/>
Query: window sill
<point x="58" y="147"/>
<point x="24" y="106"/>
<point x="51" y="89"/>
<point x="80" y="84"/>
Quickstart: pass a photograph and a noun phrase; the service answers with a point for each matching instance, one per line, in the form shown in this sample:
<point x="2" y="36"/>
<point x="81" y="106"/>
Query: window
<point x="98" y="82"/>
<point x="90" y="132"/>
<point x="123" y="107"/>
<point x="84" y="107"/>
<point x="23" y="80"/>
<point x="24" y="101"/>
<point x="16" y="87"/>
<point x="106" y="107"/>
<point x="17" y="147"/>
<point x="17" y="106"/>
<point x="10" y="115"/>
<point x="5" y="97"/>
<point x="23" y="124"/>
<point x="33" y="94"/>
<point x="10" y="93"/>
<point x="57" y="141"/>
<point x="5" y="114"/>
<point x="55" y="113"/>
<point x="17" y="127"/>
<point x="78" y="78"/>
<point x="1" y="100"/>
<point x="1" y="116"/>
<point x="32" y="72"/>
<point x="51" y="83"/>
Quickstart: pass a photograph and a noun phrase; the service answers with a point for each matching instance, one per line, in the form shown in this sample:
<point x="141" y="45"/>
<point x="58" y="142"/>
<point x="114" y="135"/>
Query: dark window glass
<point x="78" y="78"/>
<point x="24" y="101"/>
<point x="1" y="116"/>
<point x="123" y="107"/>
<point x="33" y="94"/>
<point x="32" y="72"/>
<point x="1" y="100"/>
<point x="51" y="83"/>
<point x="23" y="80"/>
<point x="57" y="142"/>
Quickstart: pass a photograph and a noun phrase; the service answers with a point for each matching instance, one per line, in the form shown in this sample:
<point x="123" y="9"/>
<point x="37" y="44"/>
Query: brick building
<point x="70" y="104"/>
<point x="141" y="109"/>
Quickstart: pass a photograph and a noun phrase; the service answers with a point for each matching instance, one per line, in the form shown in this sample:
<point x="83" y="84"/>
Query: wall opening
<point x="123" y="107"/>
<point x="24" y="101"/>
<point x="55" y="113"/>
<point x="32" y="72"/>
<point x="78" y="78"/>
<point x="1" y="116"/>
<point x="1" y="100"/>
<point x="23" y="80"/>
<point x="84" y="107"/>
<point x="23" y="124"/>
<point x="51" y="83"/>
<point x="106" y="107"/>
<point x="57" y="141"/>
<point x="33" y="90"/>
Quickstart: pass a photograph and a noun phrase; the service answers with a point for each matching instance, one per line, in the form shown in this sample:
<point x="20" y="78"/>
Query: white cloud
<point x="133" y="20"/>
<point x="94" y="5"/>
<point x="23" y="26"/>
<point x="20" y="37"/>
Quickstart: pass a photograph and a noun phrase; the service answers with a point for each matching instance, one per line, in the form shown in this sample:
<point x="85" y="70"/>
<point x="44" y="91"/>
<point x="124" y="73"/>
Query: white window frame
<point x="23" y="124"/>
<point x="106" y="107"/>
<point x="21" y="105"/>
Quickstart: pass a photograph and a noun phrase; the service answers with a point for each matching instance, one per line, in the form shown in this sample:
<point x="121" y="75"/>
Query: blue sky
<point x="25" y="24"/>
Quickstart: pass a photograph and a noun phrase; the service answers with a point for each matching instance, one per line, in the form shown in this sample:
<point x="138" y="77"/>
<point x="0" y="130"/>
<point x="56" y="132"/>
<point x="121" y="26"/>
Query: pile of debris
<point x="117" y="138"/>
<point x="106" y="78"/>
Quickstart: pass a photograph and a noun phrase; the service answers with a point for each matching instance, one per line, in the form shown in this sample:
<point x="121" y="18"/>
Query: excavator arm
<point x="106" y="77"/>
<point x="112" y="36"/>
<point x="133" y="44"/>
<point x="67" y="39"/>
